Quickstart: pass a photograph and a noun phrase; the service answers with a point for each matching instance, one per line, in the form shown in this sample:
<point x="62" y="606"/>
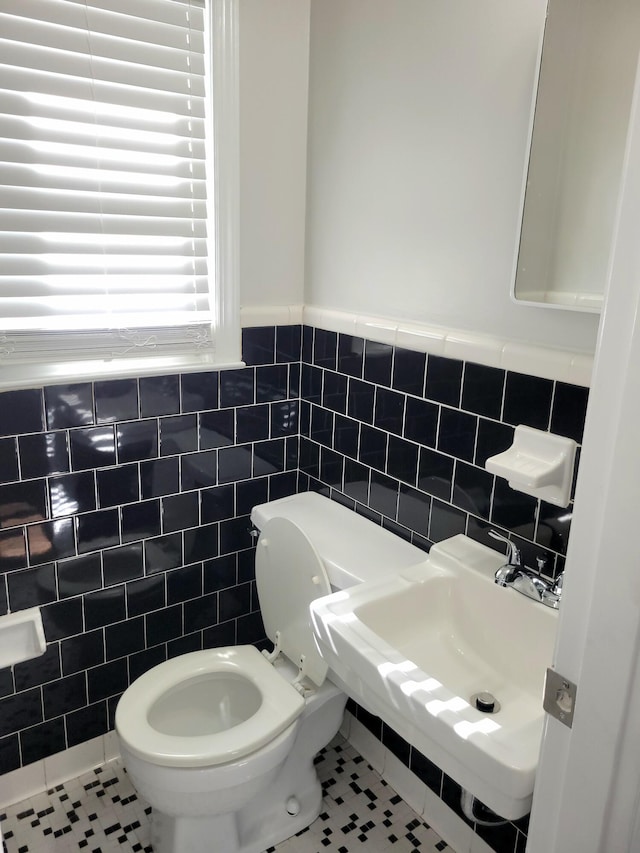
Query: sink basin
<point x="416" y="648"/>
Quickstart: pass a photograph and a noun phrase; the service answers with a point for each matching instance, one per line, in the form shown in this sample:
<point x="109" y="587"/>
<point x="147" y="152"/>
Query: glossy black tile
<point x="104" y="607"/>
<point x="409" y="369"/>
<point x="457" y="434"/>
<point x="554" y="526"/>
<point x="19" y="711"/>
<point x="217" y="503"/>
<point x="252" y="423"/>
<point x="325" y="348"/>
<point x="307" y="344"/>
<point x="321" y="426"/>
<point x="140" y="520"/>
<point x="356" y="480"/>
<point x="402" y="460"/>
<point x="86" y="723"/>
<point x="68" y="405"/>
<point x="284" y="418"/>
<point x="234" y="463"/>
<point x="513" y="510"/>
<point x="378" y="359"/>
<point x="246" y="565"/>
<point x="21" y="503"/>
<point x="137" y="440"/>
<point x="235" y="535"/>
<point x="234" y="602"/>
<point x="116" y="400"/>
<point x="383" y="494"/>
<point x="119" y="485"/>
<point x="250" y="493"/>
<point x="259" y="345"/>
<point x="414" y="509"/>
<point x="331" y="467"/>
<point x="217" y="429"/>
<point x="569" y="410"/>
<point x="334" y="395"/>
<point x="268" y="457"/>
<point x="97" y="530"/>
<point x="178" y="434"/>
<point x="483" y="389"/>
<point x="145" y="595"/>
<point x="223" y="635"/>
<point x="444" y="380"/>
<point x="64" y="695"/>
<point x="43" y="453"/>
<point x="396" y="744"/>
<point x="21" y="411"/>
<point x="125" y="638"/>
<point x="159" y="395"/>
<point x="40" y="670"/>
<point x="142" y="662"/>
<point x="80" y="653"/>
<point x="288" y="343"/>
<point x="160" y="477"/>
<point x="13" y="551"/>
<point x="346" y="436"/>
<point x="8" y="460"/>
<point x="360" y="400"/>
<point x="199" y="470"/>
<point x="237" y="387"/>
<point x="202" y="543"/>
<point x="295" y="372"/>
<point x="350" y="355"/>
<point x="91" y="447"/>
<point x="373" y="447"/>
<point x="202" y="612"/>
<point x="445" y="521"/>
<point x="492" y="438"/>
<point x="78" y="575"/>
<point x="220" y="573"/>
<point x="32" y="587"/>
<point x="435" y="473"/>
<point x="309" y="459"/>
<point x="107" y="680"/>
<point x="311" y="383"/>
<point x="272" y="383"/>
<point x="472" y="489"/>
<point x="50" y="540"/>
<point x="62" y="619"/>
<point x="527" y="400"/>
<point x="180" y="512"/>
<point x="9" y="753"/>
<point x="42" y="740"/>
<point x="421" y="421"/>
<point x="426" y="770"/>
<point x="389" y="410"/>
<point x="70" y="494"/>
<point x="163" y="625"/>
<point x="162" y="553"/>
<point x="199" y="391"/>
<point x="184" y="583"/>
<point x="122" y="563"/>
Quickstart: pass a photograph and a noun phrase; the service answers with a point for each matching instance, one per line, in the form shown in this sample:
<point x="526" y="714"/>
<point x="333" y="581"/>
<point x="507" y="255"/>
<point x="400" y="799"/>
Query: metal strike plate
<point x="559" y="697"/>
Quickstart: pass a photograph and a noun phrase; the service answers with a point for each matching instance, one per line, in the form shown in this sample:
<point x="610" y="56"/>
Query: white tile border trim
<point x="35" y="778"/>
<point x="563" y="365"/>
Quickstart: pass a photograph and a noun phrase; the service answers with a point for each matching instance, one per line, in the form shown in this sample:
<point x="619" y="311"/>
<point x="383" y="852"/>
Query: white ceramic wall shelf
<point x="537" y="463"/>
<point x="21" y="636"/>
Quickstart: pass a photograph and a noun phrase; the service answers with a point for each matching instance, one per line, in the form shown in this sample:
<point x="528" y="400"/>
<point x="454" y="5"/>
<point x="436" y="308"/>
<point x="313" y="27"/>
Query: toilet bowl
<point x="221" y="742"/>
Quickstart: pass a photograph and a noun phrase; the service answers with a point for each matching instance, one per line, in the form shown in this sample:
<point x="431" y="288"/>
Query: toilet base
<point x="266" y="819"/>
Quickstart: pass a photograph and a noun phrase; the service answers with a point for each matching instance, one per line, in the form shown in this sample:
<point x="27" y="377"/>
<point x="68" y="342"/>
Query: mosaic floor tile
<point x="100" y="812"/>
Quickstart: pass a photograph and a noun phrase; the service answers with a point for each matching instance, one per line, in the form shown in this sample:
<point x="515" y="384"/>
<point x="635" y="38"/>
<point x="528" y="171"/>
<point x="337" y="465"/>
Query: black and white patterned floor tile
<point x="100" y="812"/>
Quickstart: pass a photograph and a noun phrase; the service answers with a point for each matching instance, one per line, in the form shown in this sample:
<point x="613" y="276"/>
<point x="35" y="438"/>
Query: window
<point x="118" y="229"/>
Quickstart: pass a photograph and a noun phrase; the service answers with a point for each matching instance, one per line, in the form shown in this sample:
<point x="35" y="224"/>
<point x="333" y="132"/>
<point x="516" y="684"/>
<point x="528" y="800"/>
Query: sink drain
<point x="485" y="702"/>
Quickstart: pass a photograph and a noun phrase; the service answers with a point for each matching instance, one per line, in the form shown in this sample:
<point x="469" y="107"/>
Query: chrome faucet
<point x="524" y="580"/>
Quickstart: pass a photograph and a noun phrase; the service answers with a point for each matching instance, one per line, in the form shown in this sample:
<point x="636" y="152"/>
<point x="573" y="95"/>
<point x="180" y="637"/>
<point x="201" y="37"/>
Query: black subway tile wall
<point x="124" y="505"/>
<point x="124" y="511"/>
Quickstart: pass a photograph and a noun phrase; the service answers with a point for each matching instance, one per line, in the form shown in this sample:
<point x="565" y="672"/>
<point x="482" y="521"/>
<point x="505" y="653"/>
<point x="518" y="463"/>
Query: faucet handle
<point x="557" y="587"/>
<point x="513" y="553"/>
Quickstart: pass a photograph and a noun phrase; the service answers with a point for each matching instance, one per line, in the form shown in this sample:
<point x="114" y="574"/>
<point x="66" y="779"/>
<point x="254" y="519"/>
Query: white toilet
<point x="222" y="742"/>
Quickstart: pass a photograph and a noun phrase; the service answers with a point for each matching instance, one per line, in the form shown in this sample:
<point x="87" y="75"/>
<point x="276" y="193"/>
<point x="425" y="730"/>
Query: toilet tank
<point x="352" y="548"/>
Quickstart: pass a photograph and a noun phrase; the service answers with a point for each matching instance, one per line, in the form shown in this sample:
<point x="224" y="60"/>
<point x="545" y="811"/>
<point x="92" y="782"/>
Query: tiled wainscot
<point x="124" y="509"/>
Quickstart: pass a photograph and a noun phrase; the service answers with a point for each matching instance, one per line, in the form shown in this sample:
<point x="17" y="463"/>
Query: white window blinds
<point x="104" y="140"/>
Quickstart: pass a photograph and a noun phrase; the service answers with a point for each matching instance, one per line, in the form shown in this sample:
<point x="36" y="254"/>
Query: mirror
<point x="585" y="86"/>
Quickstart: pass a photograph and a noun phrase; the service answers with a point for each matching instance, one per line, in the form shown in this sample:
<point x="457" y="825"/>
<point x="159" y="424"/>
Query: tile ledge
<point x="567" y="366"/>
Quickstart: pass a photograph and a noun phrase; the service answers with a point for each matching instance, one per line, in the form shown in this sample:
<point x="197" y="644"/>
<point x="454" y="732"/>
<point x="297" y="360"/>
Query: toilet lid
<point x="290" y="575"/>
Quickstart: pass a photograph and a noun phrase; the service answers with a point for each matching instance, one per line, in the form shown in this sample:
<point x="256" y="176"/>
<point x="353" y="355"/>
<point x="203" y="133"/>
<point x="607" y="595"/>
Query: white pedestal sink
<point x="416" y="647"/>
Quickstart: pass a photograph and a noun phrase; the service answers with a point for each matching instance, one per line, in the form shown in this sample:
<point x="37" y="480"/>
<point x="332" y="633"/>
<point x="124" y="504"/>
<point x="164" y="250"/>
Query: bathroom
<point x="382" y="152"/>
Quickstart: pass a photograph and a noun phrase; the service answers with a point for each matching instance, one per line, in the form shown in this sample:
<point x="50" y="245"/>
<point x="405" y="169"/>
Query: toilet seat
<point x="280" y="705"/>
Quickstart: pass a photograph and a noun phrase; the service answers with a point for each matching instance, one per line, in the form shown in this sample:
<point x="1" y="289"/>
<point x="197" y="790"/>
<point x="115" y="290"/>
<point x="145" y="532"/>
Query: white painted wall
<point x="274" y="67"/>
<point x="418" y="123"/>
